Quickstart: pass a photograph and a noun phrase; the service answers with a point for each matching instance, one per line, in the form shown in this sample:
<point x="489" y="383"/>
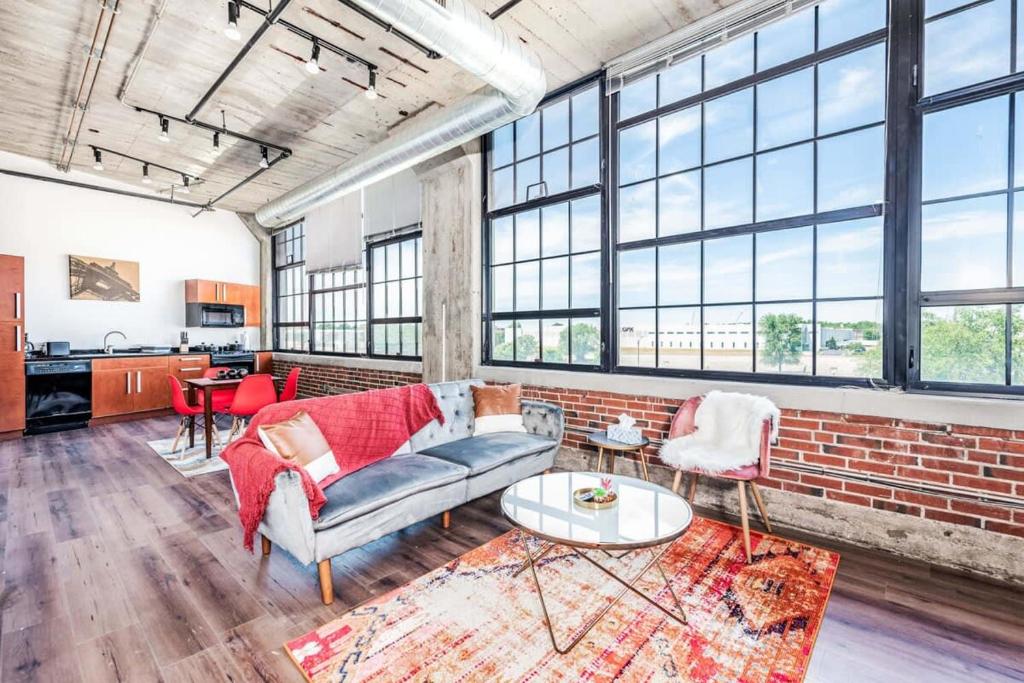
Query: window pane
<point x="502" y="287"/>
<point x="841" y="20"/>
<point x="728" y="194"/>
<point x="850" y="258"/>
<point x="527" y="286"/>
<point x="1018" y="141"/>
<point x="964" y="344"/>
<point x="785" y="264"/>
<point x="637" y="212"/>
<point x="555" y="119"/>
<point x="527" y="235"/>
<point x="679" y="141"/>
<point x="638" y="97"/>
<point x="1018" y="240"/>
<point x="379" y="273"/>
<point x="394" y="294"/>
<point x="679" y="203"/>
<point x="502" y="187"/>
<point x="501" y="340"/>
<point x="555" y="340"/>
<point x="729" y="126"/>
<point x="554" y="229"/>
<point x="679" y="338"/>
<point x="586" y="341"/>
<point x="409" y="298"/>
<point x="680" y="81"/>
<point x="501" y="240"/>
<point x="784" y="334"/>
<point x="585" y="282"/>
<point x="501" y="146"/>
<point x="637" y="153"/>
<point x="963" y="244"/>
<point x="637" y="338"/>
<point x="679" y="274"/>
<point x="785" y="40"/>
<point x="528" y="136"/>
<point x="982" y="128"/>
<point x="527" y="340"/>
<point x="727" y="339"/>
<point x="967" y="47"/>
<point x="555" y="276"/>
<point x="785" y="182"/>
<point x="636" y="278"/>
<point x="380" y="301"/>
<point x="851" y="90"/>
<point x="408" y="258"/>
<point x="785" y="109"/>
<point x="584" y="114"/>
<point x="585" y="163"/>
<point x="849" y="338"/>
<point x="728" y="269"/>
<point x="725" y="64"/>
<point x="1018" y="345"/>
<point x="556" y="173"/>
<point x="586" y="223"/>
<point x="527" y="176"/>
<point x="933" y="7"/>
<point x="851" y="169"/>
<point x="380" y="340"/>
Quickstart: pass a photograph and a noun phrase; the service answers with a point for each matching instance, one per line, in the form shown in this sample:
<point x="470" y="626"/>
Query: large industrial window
<point x="339" y="312"/>
<point x="291" y="287"/>
<point x="544" y="236"/>
<point x="968" y="331"/>
<point x="396" y="296"/>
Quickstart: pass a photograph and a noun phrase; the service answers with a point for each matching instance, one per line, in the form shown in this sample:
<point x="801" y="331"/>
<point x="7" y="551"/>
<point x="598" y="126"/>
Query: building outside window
<point x="291" y="290"/>
<point x="396" y="295"/>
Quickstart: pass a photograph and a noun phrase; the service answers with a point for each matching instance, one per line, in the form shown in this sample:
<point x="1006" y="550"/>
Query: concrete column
<point x="262" y="236"/>
<point x="451" y="215"/>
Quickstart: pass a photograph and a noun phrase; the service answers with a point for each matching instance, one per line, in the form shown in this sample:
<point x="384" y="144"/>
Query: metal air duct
<point x="469" y="38"/>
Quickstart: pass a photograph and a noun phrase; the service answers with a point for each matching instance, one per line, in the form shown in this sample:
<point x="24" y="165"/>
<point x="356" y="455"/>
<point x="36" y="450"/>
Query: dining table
<point x="207" y="385"/>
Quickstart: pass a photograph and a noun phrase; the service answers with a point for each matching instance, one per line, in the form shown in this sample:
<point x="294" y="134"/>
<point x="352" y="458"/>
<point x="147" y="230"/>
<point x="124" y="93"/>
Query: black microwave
<point x="214" y="315"/>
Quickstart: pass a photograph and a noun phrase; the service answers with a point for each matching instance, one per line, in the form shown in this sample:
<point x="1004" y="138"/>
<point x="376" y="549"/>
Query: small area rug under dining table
<point x="472" y="620"/>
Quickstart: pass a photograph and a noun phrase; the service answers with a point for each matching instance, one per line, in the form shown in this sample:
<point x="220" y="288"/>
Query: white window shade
<point x="392" y="203"/>
<point x="334" y="234"/>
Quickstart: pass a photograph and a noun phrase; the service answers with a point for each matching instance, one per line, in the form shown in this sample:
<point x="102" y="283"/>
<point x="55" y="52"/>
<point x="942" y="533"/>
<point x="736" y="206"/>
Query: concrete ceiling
<point x="323" y="118"/>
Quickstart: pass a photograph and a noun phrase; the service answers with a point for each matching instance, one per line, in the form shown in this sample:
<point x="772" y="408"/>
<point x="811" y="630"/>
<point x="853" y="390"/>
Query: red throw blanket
<point x="361" y="428"/>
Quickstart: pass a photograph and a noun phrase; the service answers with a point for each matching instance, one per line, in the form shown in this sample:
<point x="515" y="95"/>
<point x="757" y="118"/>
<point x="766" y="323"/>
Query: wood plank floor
<point x="115" y="568"/>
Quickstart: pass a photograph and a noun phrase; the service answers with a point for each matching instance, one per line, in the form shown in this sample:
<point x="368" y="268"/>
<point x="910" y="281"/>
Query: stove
<point x="233" y="359"/>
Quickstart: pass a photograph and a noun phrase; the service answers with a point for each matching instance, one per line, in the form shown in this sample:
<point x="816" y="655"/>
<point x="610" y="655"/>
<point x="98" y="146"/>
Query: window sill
<point x="997" y="413"/>
<point x="360" y="362"/>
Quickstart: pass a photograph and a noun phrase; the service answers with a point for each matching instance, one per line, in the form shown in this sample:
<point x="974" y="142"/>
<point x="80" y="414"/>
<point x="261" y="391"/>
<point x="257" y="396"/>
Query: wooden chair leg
<point x="744" y="520"/>
<point x="266" y="544"/>
<point x="446" y="519"/>
<point x="177" y="437"/>
<point x="760" y="505"/>
<point x="692" y="493"/>
<point x="216" y="435"/>
<point x="676" y="481"/>
<point x="323" y="568"/>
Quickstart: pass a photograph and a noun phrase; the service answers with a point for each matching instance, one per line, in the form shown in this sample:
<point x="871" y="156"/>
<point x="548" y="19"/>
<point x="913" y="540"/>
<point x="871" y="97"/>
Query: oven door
<point x="57" y="401"/>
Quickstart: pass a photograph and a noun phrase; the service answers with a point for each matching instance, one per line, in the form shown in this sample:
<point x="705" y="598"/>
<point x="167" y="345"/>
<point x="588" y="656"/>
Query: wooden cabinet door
<point x="151" y="389"/>
<point x="12" y="397"/>
<point x="263" y="362"/>
<point x="203" y="292"/>
<point x="12" y="287"/>
<point x="253" y="305"/>
<point x="113" y="391"/>
<point x="191" y="366"/>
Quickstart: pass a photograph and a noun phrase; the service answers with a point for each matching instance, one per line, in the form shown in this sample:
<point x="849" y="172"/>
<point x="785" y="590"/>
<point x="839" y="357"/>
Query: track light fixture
<point x="184" y="184"/>
<point x="313" y="64"/>
<point x="371" y="89"/>
<point x="98" y="156"/>
<point x="145" y="175"/>
<point x="165" y="126"/>
<point x="264" y="162"/>
<point x="216" y="145"/>
<point x="231" y="30"/>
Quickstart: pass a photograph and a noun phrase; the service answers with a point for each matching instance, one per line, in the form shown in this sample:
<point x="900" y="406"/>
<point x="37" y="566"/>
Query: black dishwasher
<point x="58" y="395"/>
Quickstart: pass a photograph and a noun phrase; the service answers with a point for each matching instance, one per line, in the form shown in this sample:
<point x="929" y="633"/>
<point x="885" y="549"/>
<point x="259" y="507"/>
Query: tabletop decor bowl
<point x="595" y="502"/>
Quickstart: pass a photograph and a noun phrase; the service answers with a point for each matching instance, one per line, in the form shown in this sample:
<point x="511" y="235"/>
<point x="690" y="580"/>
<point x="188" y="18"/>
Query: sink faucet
<point x="107" y="348"/>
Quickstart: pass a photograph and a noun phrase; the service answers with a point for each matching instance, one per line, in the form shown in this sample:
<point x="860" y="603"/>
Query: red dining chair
<point x="221" y="398"/>
<point x="291" y="386"/>
<point x="254" y="392"/>
<point x="683" y="424"/>
<point x="186" y="412"/>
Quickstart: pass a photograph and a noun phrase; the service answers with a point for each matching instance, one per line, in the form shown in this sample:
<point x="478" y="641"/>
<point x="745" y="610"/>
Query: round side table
<point x="603" y="443"/>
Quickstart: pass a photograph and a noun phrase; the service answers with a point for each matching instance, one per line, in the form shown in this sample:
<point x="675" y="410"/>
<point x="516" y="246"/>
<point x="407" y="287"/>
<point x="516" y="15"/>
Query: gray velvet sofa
<point x="448" y="466"/>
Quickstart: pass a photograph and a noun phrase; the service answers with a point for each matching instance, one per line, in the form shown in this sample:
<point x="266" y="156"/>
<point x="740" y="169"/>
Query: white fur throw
<point x="727" y="436"/>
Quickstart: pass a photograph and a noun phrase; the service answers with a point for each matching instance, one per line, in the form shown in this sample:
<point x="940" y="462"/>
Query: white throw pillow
<point x="498" y="423"/>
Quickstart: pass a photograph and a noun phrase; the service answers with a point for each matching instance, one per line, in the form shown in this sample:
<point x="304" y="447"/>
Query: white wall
<point x="45" y="222"/>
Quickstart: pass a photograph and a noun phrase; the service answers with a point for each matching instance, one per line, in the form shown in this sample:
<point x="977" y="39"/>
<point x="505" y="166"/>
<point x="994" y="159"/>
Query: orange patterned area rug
<point x="472" y="620"/>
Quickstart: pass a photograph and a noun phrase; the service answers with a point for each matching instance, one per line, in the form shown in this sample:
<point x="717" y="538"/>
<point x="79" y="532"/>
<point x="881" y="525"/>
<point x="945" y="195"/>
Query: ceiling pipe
<point x="468" y="37"/>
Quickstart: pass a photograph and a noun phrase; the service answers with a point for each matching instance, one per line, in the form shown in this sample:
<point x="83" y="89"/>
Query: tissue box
<point x="623" y="434"/>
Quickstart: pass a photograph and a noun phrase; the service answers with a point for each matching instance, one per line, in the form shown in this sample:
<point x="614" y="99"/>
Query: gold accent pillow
<point x="497" y="409"/>
<point x="299" y="439"/>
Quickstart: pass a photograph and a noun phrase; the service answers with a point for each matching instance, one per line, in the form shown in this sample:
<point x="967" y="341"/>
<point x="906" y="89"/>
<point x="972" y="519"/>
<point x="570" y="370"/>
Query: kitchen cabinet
<point x="215" y="292"/>
<point x="262" y="362"/>
<point x="12" y="343"/>
<point x="129" y="385"/>
<point x="191" y="366"/>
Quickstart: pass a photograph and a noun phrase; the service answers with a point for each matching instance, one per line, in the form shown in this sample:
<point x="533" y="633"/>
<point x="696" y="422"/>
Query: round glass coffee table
<point x="644" y="517"/>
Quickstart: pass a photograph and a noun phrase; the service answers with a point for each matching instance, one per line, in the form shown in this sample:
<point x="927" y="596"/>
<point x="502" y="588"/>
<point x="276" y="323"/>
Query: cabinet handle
<point x="128" y="383"/>
<point x="189" y="369"/>
<point x="138" y="381"/>
<point x="17" y="337"/>
<point x="189" y="359"/>
<point x="17" y="305"/>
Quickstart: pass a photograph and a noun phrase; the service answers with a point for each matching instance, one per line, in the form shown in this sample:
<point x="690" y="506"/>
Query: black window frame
<point x="412" y="232"/>
<point x="276" y="268"/>
<point x="313" y="320"/>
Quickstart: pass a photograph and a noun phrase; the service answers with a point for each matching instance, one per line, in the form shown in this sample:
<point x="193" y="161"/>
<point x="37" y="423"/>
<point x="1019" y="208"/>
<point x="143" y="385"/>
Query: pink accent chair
<point x="683" y="424"/>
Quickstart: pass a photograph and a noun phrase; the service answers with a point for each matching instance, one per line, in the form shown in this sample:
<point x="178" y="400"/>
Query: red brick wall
<point x="324" y="380"/>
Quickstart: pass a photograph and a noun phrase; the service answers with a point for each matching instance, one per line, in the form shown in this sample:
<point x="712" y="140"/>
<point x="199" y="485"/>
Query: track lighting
<point x="371" y="89"/>
<point x="264" y="162"/>
<point x="216" y="145"/>
<point x="98" y="156"/>
<point x="184" y="184"/>
<point x="313" y="64"/>
<point x="231" y="30"/>
<point x="145" y="174"/>
<point x="165" y="126"/>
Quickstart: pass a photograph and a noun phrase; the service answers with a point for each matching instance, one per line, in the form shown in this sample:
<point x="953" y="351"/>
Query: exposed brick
<point x="947" y="465"/>
<point x="867" y="489"/>
<point x="869" y="420"/>
<point x="952" y="517"/>
<point x="848" y="498"/>
<point x="994" y="485"/>
<point x="947" y="440"/>
<point x="858" y="441"/>
<point x="1001" y="445"/>
<point x="923" y="499"/>
<point x="876" y="467"/>
<point x="919" y="474"/>
<point x="1011" y="460"/>
<point x="845" y="428"/>
<point x="1004" y="528"/>
<point x="980" y="509"/>
<point x="923" y="426"/>
<point x="935" y="451"/>
<point x="893" y="506"/>
<point x="844" y="451"/>
<point x="823" y="482"/>
<point x="1003" y="473"/>
<point x="826" y="460"/>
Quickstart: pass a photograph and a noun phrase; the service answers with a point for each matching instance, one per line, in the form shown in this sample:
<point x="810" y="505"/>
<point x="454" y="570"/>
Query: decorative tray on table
<point x="595" y="497"/>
